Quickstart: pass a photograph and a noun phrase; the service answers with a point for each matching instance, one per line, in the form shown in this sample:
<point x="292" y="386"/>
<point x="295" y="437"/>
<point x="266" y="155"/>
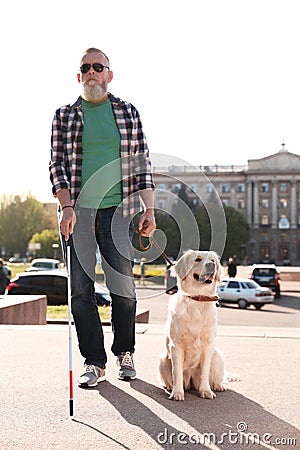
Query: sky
<point x="215" y="81"/>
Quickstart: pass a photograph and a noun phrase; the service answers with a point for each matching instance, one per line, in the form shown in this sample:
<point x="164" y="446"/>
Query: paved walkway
<point x="34" y="407"/>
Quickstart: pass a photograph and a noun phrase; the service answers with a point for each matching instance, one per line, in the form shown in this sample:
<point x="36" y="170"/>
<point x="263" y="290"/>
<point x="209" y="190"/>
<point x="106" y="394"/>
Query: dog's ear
<point x="184" y="264"/>
<point x="218" y="268"/>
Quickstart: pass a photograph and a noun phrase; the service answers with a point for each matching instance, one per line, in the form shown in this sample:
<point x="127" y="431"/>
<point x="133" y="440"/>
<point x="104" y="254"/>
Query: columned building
<point x="266" y="191"/>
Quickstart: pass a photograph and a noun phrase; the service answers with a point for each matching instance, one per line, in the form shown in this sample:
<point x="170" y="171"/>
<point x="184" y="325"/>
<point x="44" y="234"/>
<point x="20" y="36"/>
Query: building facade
<point x="266" y="192"/>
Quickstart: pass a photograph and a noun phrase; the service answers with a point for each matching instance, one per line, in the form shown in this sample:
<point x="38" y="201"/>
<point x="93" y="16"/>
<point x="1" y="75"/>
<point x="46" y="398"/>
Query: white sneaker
<point x="127" y="370"/>
<point x="92" y="376"/>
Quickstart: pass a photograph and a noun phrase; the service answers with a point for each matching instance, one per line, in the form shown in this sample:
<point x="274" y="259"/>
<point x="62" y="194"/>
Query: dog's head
<point x="198" y="271"/>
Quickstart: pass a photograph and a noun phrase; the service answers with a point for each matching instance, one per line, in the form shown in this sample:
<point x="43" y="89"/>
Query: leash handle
<point x="152" y="241"/>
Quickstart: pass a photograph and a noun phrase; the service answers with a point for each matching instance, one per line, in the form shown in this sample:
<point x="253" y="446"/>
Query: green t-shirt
<point x="101" y="165"/>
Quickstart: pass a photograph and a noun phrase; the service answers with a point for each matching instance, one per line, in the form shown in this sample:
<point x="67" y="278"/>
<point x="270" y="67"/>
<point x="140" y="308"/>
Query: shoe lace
<point x="127" y="360"/>
<point x="90" y="368"/>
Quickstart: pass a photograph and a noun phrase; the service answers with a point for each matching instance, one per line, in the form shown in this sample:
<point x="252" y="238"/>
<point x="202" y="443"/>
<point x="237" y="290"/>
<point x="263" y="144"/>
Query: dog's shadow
<point x="223" y="421"/>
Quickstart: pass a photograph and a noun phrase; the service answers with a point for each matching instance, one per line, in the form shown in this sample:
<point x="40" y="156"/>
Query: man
<point x="99" y="165"/>
<point x="231" y="268"/>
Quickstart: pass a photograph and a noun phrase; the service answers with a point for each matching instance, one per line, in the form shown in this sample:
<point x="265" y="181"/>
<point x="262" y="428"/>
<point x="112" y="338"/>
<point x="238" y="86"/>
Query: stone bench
<point x="23" y="309"/>
<point x="142" y="315"/>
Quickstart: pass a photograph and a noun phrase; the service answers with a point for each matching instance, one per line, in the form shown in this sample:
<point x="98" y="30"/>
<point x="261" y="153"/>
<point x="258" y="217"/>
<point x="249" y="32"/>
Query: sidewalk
<point x="137" y="415"/>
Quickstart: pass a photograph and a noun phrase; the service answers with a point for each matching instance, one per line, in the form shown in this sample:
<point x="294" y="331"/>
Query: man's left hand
<point x="147" y="223"/>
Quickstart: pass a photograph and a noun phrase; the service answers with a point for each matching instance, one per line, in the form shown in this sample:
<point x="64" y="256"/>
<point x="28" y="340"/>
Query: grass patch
<point x="17" y="268"/>
<point x="61" y="312"/>
<point x="151" y="270"/>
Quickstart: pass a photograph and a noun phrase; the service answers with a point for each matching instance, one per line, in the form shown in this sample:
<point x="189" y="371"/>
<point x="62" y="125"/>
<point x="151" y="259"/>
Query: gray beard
<point x="94" y="93"/>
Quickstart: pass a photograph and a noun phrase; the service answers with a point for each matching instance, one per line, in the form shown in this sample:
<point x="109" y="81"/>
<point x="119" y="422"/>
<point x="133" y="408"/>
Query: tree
<point x="168" y="225"/>
<point x="47" y="238"/>
<point x="237" y="230"/>
<point x="19" y="220"/>
<point x="238" y="233"/>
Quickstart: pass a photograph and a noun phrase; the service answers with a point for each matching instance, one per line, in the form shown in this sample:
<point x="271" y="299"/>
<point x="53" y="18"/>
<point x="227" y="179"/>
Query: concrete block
<point x="23" y="309"/>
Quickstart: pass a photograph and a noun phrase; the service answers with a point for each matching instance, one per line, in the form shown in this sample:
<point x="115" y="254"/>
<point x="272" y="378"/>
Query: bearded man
<point x="101" y="176"/>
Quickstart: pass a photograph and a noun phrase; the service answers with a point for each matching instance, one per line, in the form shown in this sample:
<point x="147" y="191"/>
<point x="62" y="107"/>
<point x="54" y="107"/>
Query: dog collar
<point x="204" y="298"/>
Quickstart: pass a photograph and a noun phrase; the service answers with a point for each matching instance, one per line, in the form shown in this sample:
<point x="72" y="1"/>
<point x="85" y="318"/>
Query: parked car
<point x="244" y="292"/>
<point x="54" y="284"/>
<point x="43" y="264"/>
<point x="266" y="275"/>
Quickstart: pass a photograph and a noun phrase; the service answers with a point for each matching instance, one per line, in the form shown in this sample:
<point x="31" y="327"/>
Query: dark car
<point x="266" y="275"/>
<point x="53" y="284"/>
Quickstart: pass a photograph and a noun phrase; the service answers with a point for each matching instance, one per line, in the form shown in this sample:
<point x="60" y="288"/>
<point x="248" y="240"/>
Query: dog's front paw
<point x="207" y="393"/>
<point x="219" y="387"/>
<point x="176" y="395"/>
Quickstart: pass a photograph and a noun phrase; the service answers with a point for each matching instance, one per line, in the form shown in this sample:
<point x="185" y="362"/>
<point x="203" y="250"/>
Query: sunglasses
<point x="98" y="67"/>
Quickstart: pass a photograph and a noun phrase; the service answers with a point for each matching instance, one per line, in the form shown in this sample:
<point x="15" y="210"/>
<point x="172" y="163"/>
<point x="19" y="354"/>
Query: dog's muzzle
<point x="209" y="274"/>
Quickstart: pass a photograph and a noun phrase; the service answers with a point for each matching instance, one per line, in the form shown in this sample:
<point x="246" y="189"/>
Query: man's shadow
<point x="223" y="421"/>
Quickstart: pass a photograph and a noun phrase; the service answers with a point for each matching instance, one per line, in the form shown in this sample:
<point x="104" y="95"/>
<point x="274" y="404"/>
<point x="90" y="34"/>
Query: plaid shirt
<point x="66" y="152"/>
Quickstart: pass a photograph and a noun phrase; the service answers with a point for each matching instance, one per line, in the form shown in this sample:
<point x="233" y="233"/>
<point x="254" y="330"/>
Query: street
<point x="284" y="312"/>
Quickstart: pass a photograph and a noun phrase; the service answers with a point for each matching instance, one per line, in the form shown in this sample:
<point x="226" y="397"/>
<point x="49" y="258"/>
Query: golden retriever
<point x="190" y="359"/>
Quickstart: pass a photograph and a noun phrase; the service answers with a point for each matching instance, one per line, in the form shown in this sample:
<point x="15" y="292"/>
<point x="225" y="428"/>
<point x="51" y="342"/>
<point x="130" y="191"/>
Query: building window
<point x="265" y="203"/>
<point x="265" y="220"/>
<point x="209" y="188"/>
<point x="283" y="203"/>
<point x="264" y="237"/>
<point x="283" y="222"/>
<point x="265" y="187"/>
<point x="283" y="187"/>
<point x="161" y="204"/>
<point x="162" y="186"/>
<point x="241" y="187"/>
<point x="241" y="204"/>
<point x="225" y="202"/>
<point x="225" y="188"/>
<point x="176" y="188"/>
<point x="193" y="188"/>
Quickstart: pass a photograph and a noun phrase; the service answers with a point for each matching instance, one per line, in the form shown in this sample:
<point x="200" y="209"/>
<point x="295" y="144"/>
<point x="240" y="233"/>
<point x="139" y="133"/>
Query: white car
<point x="43" y="264"/>
<point x="244" y="292"/>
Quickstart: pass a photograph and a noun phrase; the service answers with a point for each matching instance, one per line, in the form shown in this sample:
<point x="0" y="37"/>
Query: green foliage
<point x="46" y="238"/>
<point x="238" y="232"/>
<point x="202" y="219"/>
<point x="26" y="220"/>
<point x="168" y="225"/>
<point x="20" y="219"/>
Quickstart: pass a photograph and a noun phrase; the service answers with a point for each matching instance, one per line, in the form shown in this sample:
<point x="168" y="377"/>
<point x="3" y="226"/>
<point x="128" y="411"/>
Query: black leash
<point x="152" y="241"/>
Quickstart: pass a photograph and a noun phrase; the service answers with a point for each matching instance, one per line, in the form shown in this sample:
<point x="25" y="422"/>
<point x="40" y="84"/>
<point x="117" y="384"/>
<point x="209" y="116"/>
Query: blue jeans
<point x="111" y="232"/>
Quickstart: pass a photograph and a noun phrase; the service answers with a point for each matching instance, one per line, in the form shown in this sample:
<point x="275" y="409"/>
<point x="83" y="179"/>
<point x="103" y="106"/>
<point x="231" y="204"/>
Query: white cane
<point x="70" y="331"/>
